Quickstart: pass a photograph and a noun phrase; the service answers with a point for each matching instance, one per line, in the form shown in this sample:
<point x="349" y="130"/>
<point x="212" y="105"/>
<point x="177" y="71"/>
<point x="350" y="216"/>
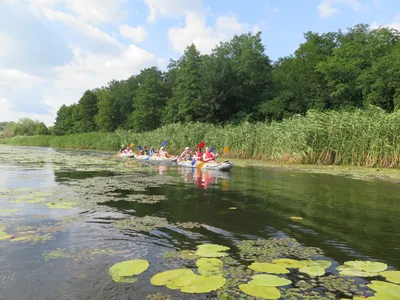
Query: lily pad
<point x="290" y="263"/>
<point x="8" y="211"/>
<point x="268" y="280"/>
<point x="367" y="266"/>
<point x="123" y="271"/>
<point x="361" y="268"/>
<point x="318" y="263"/>
<point x="268" y="268"/>
<point x="59" y="206"/>
<point x="183" y="254"/>
<point x="260" y="291"/>
<point x="4" y="236"/>
<point x="147" y="223"/>
<point x="392" y="276"/>
<point x="313" y="270"/>
<point x="385" y="289"/>
<point x="209" y="266"/>
<point x="203" y="284"/>
<point x="211" y="250"/>
<point x="165" y="277"/>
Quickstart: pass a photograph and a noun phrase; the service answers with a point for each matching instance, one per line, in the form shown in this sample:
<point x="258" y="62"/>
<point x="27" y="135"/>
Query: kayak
<point x="129" y="154"/>
<point x="224" y="166"/>
<point x="156" y="159"/>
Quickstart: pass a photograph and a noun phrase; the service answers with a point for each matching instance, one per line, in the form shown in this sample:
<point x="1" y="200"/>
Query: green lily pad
<point x="313" y="270"/>
<point x="367" y="266"/>
<point x="290" y="263"/>
<point x="385" y="289"/>
<point x="392" y="276"/>
<point x="61" y="205"/>
<point x="42" y="194"/>
<point x="318" y="263"/>
<point x="165" y="277"/>
<point x="260" y="291"/>
<point x="211" y="250"/>
<point x="209" y="266"/>
<point x="123" y="271"/>
<point x="268" y="280"/>
<point x="4" y="236"/>
<point x="35" y="201"/>
<point x="203" y="284"/>
<point x="268" y="268"/>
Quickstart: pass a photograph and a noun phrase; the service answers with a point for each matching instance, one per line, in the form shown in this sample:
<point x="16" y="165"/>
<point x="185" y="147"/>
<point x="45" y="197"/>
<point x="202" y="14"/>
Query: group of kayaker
<point x="144" y="151"/>
<point x="207" y="156"/>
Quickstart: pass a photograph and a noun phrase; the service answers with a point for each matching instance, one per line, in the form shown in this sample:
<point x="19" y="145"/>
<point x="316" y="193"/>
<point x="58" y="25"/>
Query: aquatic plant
<point x="125" y="271"/>
<point x="78" y="255"/>
<point x="290" y="263"/>
<point x="268" y="268"/>
<point x="147" y="223"/>
<point x="361" y="268"/>
<point x="392" y="276"/>
<point x="209" y="266"/>
<point x="211" y="250"/>
<point x="166" y="277"/>
<point x="260" y="291"/>
<point x="268" y="280"/>
<point x="385" y="290"/>
<point x="188" y="225"/>
<point x="313" y="270"/>
<point x="266" y="250"/>
<point x="183" y="254"/>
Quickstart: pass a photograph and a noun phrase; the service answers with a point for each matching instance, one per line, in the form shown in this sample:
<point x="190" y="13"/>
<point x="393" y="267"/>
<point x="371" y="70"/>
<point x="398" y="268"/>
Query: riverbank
<point x="368" y="138"/>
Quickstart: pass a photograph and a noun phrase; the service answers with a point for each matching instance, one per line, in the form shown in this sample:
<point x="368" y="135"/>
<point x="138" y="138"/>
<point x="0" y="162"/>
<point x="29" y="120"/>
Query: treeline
<point x="24" y="126"/>
<point x="238" y="82"/>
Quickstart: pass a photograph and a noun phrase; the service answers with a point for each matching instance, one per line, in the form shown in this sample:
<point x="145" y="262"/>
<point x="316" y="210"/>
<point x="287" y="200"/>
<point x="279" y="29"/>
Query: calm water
<point x="348" y="219"/>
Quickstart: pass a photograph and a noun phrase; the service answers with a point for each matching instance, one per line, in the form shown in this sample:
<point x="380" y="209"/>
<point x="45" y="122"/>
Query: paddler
<point x="123" y="148"/>
<point x="208" y="156"/>
<point x="163" y="152"/>
<point x="186" y="155"/>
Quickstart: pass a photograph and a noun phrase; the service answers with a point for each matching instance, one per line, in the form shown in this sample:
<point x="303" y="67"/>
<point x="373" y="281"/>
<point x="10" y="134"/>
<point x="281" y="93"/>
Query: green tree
<point x="150" y="100"/>
<point x="41" y="129"/>
<point x="86" y="111"/>
<point x="65" y="122"/>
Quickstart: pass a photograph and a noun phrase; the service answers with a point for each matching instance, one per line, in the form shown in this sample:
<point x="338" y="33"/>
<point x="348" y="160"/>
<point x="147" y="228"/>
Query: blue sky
<point x="51" y="51"/>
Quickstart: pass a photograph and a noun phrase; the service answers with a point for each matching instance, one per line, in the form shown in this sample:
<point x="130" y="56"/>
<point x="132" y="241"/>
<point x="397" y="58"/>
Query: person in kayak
<point x="152" y="151"/>
<point x="186" y="155"/>
<point x="145" y="151"/>
<point x="163" y="152"/>
<point x="198" y="155"/>
<point x="208" y="156"/>
<point x="123" y="148"/>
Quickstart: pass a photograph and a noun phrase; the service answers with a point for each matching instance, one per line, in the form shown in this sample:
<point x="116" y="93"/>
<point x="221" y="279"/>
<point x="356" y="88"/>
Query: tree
<point x="86" y="111"/>
<point x="150" y="100"/>
<point x="41" y="129"/>
<point x="64" y="123"/>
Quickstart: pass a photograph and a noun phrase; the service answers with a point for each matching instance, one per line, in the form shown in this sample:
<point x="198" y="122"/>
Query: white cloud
<point x="15" y="78"/>
<point x="137" y="34"/>
<point x="88" y="70"/>
<point x="8" y="44"/>
<point x="326" y="7"/>
<point x="172" y="8"/>
<point x="81" y="26"/>
<point x="97" y="11"/>
<point x="8" y="114"/>
<point x="394" y="25"/>
<point x="276" y="10"/>
<point x="204" y="37"/>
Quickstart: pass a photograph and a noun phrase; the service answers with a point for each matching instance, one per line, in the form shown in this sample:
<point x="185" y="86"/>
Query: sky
<point x="51" y="51"/>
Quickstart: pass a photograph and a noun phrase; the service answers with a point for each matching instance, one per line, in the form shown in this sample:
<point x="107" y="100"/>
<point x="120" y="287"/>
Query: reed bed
<point x="358" y="138"/>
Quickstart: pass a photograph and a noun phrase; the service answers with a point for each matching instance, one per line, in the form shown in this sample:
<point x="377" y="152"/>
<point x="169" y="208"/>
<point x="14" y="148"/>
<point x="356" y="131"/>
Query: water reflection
<point x="206" y="179"/>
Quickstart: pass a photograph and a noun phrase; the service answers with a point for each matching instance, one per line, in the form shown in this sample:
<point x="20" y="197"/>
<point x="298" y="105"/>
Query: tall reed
<point x="361" y="137"/>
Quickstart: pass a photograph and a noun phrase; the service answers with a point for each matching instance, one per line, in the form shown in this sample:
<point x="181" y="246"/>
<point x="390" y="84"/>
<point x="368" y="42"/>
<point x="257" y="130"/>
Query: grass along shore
<point x="368" y="138"/>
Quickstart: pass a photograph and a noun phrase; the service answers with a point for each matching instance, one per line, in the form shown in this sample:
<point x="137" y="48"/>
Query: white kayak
<point x="156" y="159"/>
<point x="224" y="166"/>
<point x="124" y="154"/>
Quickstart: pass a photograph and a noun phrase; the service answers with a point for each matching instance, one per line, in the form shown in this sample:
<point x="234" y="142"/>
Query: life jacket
<point x="199" y="154"/>
<point x="209" y="155"/>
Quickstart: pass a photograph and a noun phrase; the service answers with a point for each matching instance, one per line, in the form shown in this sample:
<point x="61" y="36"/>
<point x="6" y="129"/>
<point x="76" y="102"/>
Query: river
<point x="62" y="240"/>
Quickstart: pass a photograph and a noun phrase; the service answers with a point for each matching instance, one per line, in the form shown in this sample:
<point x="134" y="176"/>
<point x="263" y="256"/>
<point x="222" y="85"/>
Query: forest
<point x="239" y="83"/>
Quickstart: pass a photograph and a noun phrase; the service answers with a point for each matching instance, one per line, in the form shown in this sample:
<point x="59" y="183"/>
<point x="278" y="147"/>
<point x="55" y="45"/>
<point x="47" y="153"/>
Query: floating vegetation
<point x="62" y="205"/>
<point x="263" y="250"/>
<point x="209" y="266"/>
<point x="147" y="223"/>
<point x="301" y="294"/>
<point x="296" y="218"/>
<point x="317" y="263"/>
<point x="260" y="291"/>
<point x="361" y="268"/>
<point x="183" y="254"/>
<point x="187" y="281"/>
<point x="211" y="250"/>
<point x="125" y="271"/>
<point x="4" y="235"/>
<point x="78" y="255"/>
<point x="268" y="280"/>
<point x="268" y="268"/>
<point x="385" y="290"/>
<point x="313" y="270"/>
<point x="290" y="263"/>
<point x="392" y="276"/>
<point x="158" y="296"/>
<point x="32" y="237"/>
<point x="188" y="225"/>
<point x="338" y="284"/>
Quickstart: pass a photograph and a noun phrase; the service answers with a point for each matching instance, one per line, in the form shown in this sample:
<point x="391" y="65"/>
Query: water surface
<point x="348" y="219"/>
